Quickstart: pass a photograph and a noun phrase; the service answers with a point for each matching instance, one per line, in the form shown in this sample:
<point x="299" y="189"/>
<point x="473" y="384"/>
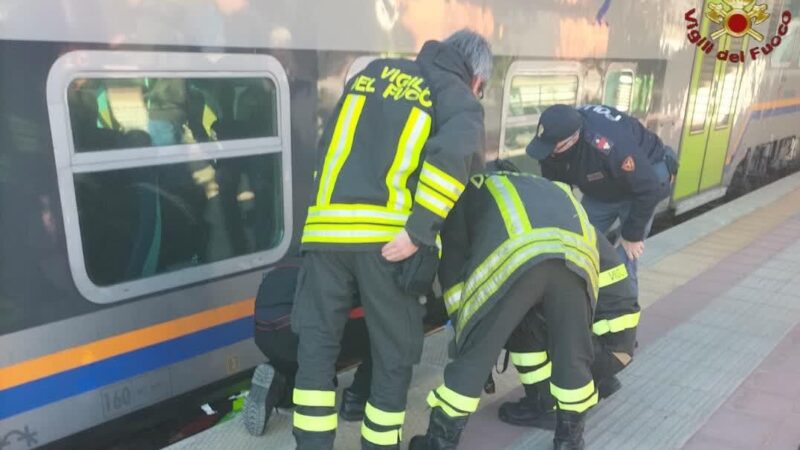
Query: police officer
<point x="395" y="156"/>
<point x="622" y="169"/>
<point x="515" y="244"/>
<point x="614" y="338"/>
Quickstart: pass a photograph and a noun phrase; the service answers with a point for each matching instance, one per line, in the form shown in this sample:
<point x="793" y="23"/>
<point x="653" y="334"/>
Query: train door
<point x="713" y="92"/>
<point x="529" y="88"/>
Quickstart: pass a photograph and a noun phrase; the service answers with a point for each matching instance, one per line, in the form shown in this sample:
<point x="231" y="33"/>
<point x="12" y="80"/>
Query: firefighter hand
<point x="400" y="248"/>
<point x="634" y="250"/>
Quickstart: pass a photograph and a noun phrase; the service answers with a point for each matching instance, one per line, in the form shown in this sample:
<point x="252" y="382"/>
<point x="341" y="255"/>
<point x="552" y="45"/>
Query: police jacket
<point x="396" y="153"/>
<point x="504" y="224"/>
<point x="614" y="161"/>
<point x="617" y="308"/>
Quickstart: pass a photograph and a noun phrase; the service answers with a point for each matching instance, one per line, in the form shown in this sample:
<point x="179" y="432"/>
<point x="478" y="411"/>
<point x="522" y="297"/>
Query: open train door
<point x="713" y="93"/>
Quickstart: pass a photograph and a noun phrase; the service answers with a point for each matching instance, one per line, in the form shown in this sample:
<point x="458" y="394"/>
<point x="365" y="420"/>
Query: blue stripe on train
<point x="76" y="381"/>
<point x="763" y="114"/>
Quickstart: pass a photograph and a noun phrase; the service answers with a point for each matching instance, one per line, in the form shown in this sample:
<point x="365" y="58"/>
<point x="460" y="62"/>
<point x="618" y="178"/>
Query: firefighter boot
<point x="353" y="404"/>
<point x="608" y="386"/>
<point x="535" y="409"/>
<point x="443" y="433"/>
<point x="266" y="391"/>
<point x="569" y="431"/>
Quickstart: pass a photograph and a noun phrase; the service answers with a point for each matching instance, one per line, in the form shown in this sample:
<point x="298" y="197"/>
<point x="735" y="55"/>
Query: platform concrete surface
<point x="718" y="365"/>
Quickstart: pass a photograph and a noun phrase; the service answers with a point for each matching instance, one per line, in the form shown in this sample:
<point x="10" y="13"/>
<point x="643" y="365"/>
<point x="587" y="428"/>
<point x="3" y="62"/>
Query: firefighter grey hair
<point x="476" y="49"/>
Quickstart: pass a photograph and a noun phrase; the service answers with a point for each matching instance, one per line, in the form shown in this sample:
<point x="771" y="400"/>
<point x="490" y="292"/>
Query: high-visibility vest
<point x="374" y="173"/>
<point x="511" y="221"/>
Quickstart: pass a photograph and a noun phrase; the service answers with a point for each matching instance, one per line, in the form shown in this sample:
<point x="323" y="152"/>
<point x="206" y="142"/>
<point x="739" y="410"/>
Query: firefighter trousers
<point x="566" y="308"/>
<point x="325" y="293"/>
<point x="529" y="351"/>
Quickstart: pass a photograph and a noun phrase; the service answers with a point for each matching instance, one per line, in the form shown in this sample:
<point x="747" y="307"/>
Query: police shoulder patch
<point x="628" y="164"/>
<point x="600" y="143"/>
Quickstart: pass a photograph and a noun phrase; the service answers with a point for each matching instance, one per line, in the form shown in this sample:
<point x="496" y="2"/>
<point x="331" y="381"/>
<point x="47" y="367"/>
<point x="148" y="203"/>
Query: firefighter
<point x="614" y="339"/>
<point x="516" y="243"/>
<point x="623" y="169"/>
<point x="395" y="156"/>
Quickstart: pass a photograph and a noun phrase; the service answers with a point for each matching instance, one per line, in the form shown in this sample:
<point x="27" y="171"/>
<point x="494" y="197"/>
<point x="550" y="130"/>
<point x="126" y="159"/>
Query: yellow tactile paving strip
<point x="676" y="269"/>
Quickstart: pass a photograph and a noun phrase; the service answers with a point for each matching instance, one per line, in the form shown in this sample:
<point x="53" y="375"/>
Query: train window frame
<point x="358" y="64"/>
<point x="791" y="37"/>
<point x="69" y="162"/>
<point x="621" y="68"/>
<point x="710" y="98"/>
<point x="361" y="62"/>
<point x="534" y="68"/>
<point x="722" y="85"/>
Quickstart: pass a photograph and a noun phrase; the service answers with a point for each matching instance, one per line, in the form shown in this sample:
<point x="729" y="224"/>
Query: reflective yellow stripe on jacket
<point x="406" y="159"/>
<point x="495" y="270"/>
<point x="616" y="325"/>
<point x="524" y="243"/>
<point x="437" y="191"/>
<point x="360" y="223"/>
<point x="452" y="298"/>
<point x="339" y="148"/>
<point x="353" y="223"/>
<point x="612" y="276"/>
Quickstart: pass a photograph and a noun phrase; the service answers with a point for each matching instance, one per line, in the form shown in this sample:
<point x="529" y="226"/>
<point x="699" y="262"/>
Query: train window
<point x="704" y="94"/>
<point x="728" y="91"/>
<point x="142" y="221"/>
<point x="116" y="113"/>
<point x="642" y="94"/>
<point x="527" y="96"/>
<point x="786" y="54"/>
<point x="173" y="167"/>
<point x="618" y="90"/>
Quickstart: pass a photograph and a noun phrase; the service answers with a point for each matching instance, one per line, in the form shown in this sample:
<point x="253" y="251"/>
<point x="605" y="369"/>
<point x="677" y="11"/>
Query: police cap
<point x="557" y="123"/>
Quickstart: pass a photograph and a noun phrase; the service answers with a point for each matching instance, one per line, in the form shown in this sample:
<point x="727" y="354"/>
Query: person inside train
<point x="166" y="108"/>
<point x="273" y="382"/>
<point x="394" y="158"/>
<point x="623" y="169"/>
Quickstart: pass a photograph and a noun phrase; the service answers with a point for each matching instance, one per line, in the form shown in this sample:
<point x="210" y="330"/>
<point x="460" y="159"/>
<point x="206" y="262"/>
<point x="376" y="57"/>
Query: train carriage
<point x="156" y="159"/>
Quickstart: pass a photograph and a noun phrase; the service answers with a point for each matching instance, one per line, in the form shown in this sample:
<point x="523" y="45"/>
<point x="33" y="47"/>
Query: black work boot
<point x="443" y="433"/>
<point x="353" y="404"/>
<point x="569" y="431"/>
<point x="535" y="409"/>
<point x="268" y="387"/>
<point x="608" y="386"/>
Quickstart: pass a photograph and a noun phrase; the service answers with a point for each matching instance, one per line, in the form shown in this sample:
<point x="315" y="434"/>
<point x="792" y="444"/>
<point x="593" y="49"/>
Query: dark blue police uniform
<point x="622" y="169"/>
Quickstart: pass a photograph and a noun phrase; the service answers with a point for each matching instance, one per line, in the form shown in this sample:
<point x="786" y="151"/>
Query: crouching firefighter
<point x="614" y="339"/>
<point x="516" y="244"/>
<point x="394" y="159"/>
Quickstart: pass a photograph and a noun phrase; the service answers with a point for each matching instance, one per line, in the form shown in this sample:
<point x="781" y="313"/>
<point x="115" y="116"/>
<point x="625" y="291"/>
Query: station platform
<point x="718" y="363"/>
